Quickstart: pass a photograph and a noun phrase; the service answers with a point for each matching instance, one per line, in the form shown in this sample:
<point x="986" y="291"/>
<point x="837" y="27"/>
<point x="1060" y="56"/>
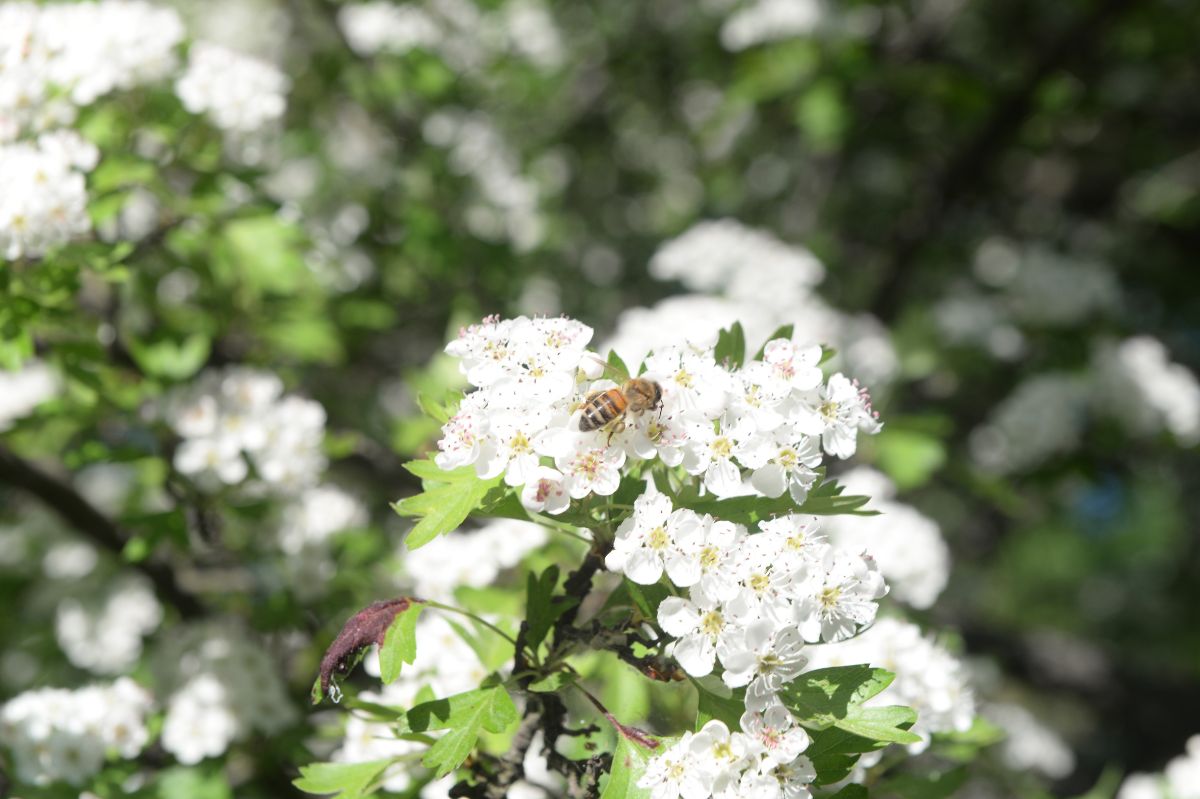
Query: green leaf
<point x="616" y="363"/>
<point x="889" y="723"/>
<point x="731" y="345"/>
<point x="938" y="785"/>
<point x="834" y="752"/>
<point x="464" y="716"/>
<point x="825" y="499"/>
<point x="783" y="332"/>
<point x="399" y="642"/>
<point x="264" y="252"/>
<point x="442" y="508"/>
<point x="553" y="683"/>
<point x="194" y="783"/>
<point x="823" y="695"/>
<point x="728" y="709"/>
<point x="629" y="764"/>
<point x="646" y="598"/>
<point x="175" y="360"/>
<point x="346" y="780"/>
<point x="542" y="608"/>
<point x="434" y="410"/>
<point x="833" y="698"/>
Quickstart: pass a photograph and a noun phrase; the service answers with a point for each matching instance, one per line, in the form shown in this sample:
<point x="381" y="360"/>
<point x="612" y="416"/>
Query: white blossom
<point x="239" y="93"/>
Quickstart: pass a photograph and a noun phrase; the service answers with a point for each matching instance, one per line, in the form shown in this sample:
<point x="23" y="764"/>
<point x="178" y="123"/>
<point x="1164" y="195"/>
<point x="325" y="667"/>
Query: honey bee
<point x="636" y="396"/>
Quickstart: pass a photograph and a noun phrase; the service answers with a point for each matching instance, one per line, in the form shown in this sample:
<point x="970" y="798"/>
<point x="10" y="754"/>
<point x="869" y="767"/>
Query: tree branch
<point x="82" y="516"/>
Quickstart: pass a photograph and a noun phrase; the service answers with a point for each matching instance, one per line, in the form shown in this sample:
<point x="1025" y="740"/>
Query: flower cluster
<point x="104" y="634"/>
<point x="763" y="762"/>
<point x="928" y="678"/>
<point x="44" y="202"/>
<point x="225" y="687"/>
<point x="55" y="734"/>
<point x="768" y="420"/>
<point x="239" y="93"/>
<point x="56" y="57"/>
<point x="1179" y="780"/>
<point x="236" y="418"/>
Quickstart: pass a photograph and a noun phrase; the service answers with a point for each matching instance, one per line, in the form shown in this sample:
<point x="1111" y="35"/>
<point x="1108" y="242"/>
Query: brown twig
<point x="83" y="517"/>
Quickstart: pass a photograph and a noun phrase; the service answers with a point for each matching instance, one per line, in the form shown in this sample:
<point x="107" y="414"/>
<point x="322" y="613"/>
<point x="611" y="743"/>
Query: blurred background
<point x="990" y="209"/>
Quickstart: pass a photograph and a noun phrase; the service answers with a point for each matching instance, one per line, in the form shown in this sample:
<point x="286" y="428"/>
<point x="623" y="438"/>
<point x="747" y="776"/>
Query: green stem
<point x="472" y="616"/>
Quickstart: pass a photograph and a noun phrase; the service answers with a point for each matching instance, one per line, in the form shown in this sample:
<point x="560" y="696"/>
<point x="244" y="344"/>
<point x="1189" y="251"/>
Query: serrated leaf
<point x="464" y="716"/>
<point x="823" y="695"/>
<point x="434" y="410"/>
<point x="825" y="499"/>
<point x="731" y="345"/>
<point x="629" y="764"/>
<point x="399" y="643"/>
<point x="442" y="508"/>
<point x="344" y="780"/>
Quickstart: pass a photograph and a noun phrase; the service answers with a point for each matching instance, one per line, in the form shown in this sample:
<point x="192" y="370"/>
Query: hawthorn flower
<point x="795" y="366"/>
<point x="723" y="753"/>
<point x="590" y="467"/>
<point x="781" y="464"/>
<point x="544" y="491"/>
<point x="710" y="451"/>
<point x="648" y="542"/>
<point x="776" y="731"/>
<point x="842" y="408"/>
<point x="759" y="397"/>
<point x="840" y="595"/>
<point x="678" y="773"/>
<point x="698" y="625"/>
<point x="795" y="538"/>
<point x="785" y="780"/>
<point x="709" y="558"/>
<point x="462" y="438"/>
<point x="763" y="656"/>
<point x="510" y="450"/>
<point x="691" y="379"/>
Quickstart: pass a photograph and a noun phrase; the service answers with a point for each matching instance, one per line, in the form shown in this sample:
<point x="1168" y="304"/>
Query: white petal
<point x="677" y="616"/>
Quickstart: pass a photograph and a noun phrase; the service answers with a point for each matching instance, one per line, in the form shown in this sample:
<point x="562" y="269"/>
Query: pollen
<point x="684" y="378"/>
<point x="709" y="557"/>
<point x="658" y="538"/>
<point x="829" y="597"/>
<point x="722" y="447"/>
<point x="712" y="622"/>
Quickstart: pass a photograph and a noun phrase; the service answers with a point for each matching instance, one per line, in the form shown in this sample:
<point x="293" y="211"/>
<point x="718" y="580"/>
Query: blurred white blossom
<point x="104" y="634"/>
<point x="25" y="389"/>
<point x="239" y="93"/>
<point x="60" y="735"/>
